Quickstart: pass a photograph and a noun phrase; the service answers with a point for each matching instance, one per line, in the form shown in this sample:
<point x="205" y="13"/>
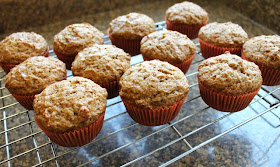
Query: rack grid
<point x="122" y="141"/>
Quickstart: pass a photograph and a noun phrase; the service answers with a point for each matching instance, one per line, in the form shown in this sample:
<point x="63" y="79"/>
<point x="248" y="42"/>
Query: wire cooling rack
<point x="122" y="142"/>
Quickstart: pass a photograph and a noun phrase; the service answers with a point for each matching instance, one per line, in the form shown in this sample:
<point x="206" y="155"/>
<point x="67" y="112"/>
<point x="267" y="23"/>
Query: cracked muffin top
<point x="263" y="50"/>
<point x="34" y="74"/>
<point x="74" y="38"/>
<point x="223" y="34"/>
<point x="153" y="84"/>
<point x="101" y="63"/>
<point x="229" y="74"/>
<point x="133" y="26"/>
<point x="19" y="46"/>
<point x="166" y="45"/>
<point x="70" y="104"/>
<point x="186" y="13"/>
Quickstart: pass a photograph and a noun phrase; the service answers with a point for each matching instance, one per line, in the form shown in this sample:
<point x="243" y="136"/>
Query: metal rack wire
<point x="19" y="130"/>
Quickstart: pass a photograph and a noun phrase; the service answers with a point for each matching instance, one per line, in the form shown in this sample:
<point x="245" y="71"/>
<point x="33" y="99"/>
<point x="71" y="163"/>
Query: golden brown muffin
<point x="70" y="104"/>
<point x="223" y="34"/>
<point x="133" y="26"/>
<point x="263" y="50"/>
<point x="153" y="84"/>
<point x="75" y="38"/>
<point x="101" y="63"/>
<point x="186" y="13"/>
<point x="19" y="46"/>
<point x="229" y="74"/>
<point x="166" y="45"/>
<point x="34" y="74"/>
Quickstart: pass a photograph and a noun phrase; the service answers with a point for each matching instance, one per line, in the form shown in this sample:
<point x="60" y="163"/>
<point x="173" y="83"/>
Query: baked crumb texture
<point x="166" y="45"/>
<point x="74" y="38"/>
<point x="229" y="74"/>
<point x="70" y="105"/>
<point x="19" y="46"/>
<point x="186" y="13"/>
<point x="34" y="74"/>
<point x="153" y="84"/>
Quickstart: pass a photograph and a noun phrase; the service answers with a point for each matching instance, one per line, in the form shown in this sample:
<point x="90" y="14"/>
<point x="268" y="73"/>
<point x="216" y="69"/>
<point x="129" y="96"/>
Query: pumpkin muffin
<point x="170" y="46"/>
<point x="153" y="92"/>
<point x="186" y="18"/>
<point x="227" y="82"/>
<point x="32" y="76"/>
<point x="71" y="112"/>
<point x="265" y="52"/>
<point x="74" y="38"/>
<point x="20" y="46"/>
<point x="127" y="31"/>
<point x="103" y="64"/>
<point x="216" y="38"/>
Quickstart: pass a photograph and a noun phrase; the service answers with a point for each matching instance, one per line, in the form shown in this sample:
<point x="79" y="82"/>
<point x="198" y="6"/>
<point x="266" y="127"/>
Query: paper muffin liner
<point x="25" y="100"/>
<point x="8" y="67"/>
<point x="226" y="103"/>
<point x="129" y="46"/>
<point x="75" y="138"/>
<point x="67" y="59"/>
<point x="153" y="117"/>
<point x="208" y="50"/>
<point x="190" y="30"/>
<point x="112" y="88"/>
<point x="184" y="66"/>
<point x="271" y="76"/>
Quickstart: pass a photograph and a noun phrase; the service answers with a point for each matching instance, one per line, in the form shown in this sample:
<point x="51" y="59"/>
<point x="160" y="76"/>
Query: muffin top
<point x="19" y="46"/>
<point x="263" y="50"/>
<point x="186" y="13"/>
<point x="170" y="46"/>
<point x="153" y="84"/>
<point x="75" y="38"/>
<point x="34" y="74"/>
<point x="133" y="26"/>
<point x="70" y="104"/>
<point x="101" y="63"/>
<point x="223" y="34"/>
<point x="229" y="74"/>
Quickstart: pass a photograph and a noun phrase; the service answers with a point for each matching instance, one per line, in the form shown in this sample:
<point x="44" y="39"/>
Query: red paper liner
<point x="226" y="103"/>
<point x="112" y="88"/>
<point x="76" y="137"/>
<point x="8" y="67"/>
<point x="207" y="50"/>
<point x="129" y="46"/>
<point x="271" y="76"/>
<point x="67" y="59"/>
<point x="190" y="30"/>
<point x="153" y="117"/>
<point x="25" y="100"/>
<point x="184" y="66"/>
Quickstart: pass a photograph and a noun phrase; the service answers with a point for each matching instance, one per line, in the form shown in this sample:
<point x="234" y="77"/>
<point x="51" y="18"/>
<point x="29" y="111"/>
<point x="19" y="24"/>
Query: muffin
<point x="71" y="112"/>
<point x="74" y="38"/>
<point x="170" y="46"/>
<point x="216" y="38"/>
<point x="153" y="92"/>
<point x="32" y="76"/>
<point x="186" y="18"/>
<point x="127" y="31"/>
<point x="103" y="64"/>
<point x="265" y="52"/>
<point x="228" y="83"/>
<point x="20" y="46"/>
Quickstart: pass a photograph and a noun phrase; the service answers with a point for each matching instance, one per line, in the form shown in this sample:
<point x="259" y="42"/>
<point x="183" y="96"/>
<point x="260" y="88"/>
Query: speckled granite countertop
<point x="255" y="143"/>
